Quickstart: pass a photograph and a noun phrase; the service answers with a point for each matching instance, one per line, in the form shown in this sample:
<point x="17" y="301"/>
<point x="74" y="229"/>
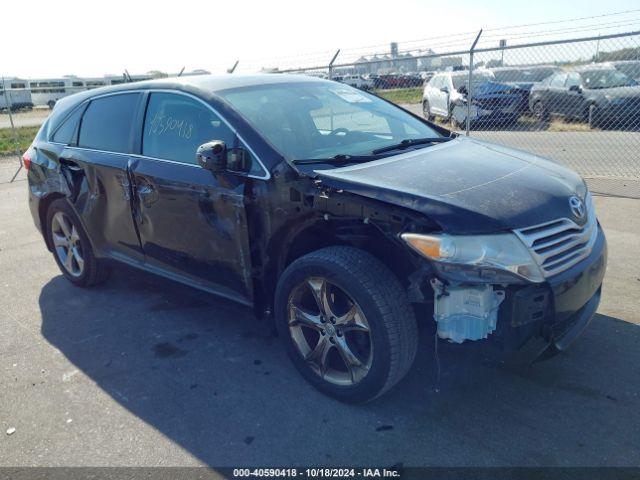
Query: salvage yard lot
<point x="146" y="372"/>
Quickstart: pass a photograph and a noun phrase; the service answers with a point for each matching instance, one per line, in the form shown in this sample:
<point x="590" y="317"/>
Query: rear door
<point x="99" y="137"/>
<point x="192" y="222"/>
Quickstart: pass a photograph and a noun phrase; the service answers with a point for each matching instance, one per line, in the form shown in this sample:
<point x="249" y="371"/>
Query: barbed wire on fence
<point x="575" y="100"/>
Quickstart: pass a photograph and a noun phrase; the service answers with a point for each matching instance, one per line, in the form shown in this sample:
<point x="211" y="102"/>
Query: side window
<point x="573" y="80"/>
<point x="108" y="122"/>
<point x="176" y="125"/>
<point x="66" y="133"/>
<point x="558" y="80"/>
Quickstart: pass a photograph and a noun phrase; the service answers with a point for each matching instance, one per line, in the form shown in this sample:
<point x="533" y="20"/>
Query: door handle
<point x="70" y="164"/>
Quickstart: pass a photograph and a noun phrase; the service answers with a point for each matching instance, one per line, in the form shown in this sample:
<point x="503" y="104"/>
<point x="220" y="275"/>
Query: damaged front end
<point x="473" y="275"/>
<point x="465" y="312"/>
<point x="491" y="287"/>
<point x="491" y="102"/>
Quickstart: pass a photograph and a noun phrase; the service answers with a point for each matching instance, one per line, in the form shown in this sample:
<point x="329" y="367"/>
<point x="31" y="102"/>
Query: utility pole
<point x="503" y="43"/>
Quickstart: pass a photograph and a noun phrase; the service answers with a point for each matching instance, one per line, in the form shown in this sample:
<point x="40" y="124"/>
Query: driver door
<point x="192" y="223"/>
<point x="574" y="98"/>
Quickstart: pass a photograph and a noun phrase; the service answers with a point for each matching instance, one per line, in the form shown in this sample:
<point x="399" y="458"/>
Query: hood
<point x="521" y="85"/>
<point x="490" y="89"/>
<point x="632" y="91"/>
<point x="465" y="185"/>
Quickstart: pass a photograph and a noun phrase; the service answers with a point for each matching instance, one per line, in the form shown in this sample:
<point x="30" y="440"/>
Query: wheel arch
<point x="43" y="209"/>
<point x="316" y="233"/>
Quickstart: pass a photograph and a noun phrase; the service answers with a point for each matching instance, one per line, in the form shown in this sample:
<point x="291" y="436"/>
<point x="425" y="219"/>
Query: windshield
<point x="629" y="69"/>
<point x="476" y="79"/>
<point x="523" y="75"/>
<point x="606" y="79"/>
<point x="316" y="120"/>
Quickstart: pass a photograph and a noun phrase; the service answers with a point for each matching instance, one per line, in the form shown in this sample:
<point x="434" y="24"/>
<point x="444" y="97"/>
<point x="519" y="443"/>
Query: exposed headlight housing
<point x="494" y="258"/>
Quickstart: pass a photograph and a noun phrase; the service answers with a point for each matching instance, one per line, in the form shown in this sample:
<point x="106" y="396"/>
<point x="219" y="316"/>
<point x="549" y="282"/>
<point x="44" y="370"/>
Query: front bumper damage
<point x="536" y="320"/>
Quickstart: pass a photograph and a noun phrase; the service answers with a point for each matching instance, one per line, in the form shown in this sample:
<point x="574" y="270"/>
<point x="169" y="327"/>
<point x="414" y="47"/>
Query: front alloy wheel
<point x="330" y="331"/>
<point x="346" y="322"/>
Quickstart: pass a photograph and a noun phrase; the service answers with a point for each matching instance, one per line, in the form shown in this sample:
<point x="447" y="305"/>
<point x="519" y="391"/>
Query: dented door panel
<point x="100" y="191"/>
<point x="193" y="223"/>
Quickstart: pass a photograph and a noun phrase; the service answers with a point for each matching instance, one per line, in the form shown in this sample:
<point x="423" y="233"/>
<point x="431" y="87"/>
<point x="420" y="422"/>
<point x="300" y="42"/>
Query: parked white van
<point x="17" y="95"/>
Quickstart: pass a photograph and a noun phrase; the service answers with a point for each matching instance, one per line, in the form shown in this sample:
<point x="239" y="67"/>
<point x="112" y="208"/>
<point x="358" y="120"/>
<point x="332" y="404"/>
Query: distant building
<point x="396" y="62"/>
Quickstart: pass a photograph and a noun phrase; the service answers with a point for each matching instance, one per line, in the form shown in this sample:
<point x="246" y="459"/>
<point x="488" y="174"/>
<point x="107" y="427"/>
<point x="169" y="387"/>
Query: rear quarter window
<point x="108" y="123"/>
<point x="66" y="132"/>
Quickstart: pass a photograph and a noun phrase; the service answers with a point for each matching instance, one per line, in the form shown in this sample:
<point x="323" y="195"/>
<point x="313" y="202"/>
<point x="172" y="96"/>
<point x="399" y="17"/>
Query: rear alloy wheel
<point x="67" y="244"/>
<point x="71" y="247"/>
<point x="347" y="323"/>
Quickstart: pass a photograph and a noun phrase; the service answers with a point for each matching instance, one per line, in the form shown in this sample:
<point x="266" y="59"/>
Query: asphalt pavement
<point x="142" y="372"/>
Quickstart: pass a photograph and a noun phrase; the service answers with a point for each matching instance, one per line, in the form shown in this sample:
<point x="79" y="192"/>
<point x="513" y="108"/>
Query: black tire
<point x="94" y="271"/>
<point x="384" y="303"/>
<point x="455" y="125"/>
<point x="593" y="117"/>
<point x="426" y="110"/>
<point x="540" y="112"/>
<point x="450" y="111"/>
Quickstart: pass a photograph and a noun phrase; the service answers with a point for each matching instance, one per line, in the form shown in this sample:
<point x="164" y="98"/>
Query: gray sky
<point x="89" y="38"/>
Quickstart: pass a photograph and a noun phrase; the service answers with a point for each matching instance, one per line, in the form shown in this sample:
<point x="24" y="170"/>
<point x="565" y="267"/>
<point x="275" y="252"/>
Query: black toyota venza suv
<point x="346" y="218"/>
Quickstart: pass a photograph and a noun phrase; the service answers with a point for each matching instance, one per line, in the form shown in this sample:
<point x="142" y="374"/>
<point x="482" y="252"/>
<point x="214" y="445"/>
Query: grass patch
<point x="8" y="143"/>
<point x="401" y="95"/>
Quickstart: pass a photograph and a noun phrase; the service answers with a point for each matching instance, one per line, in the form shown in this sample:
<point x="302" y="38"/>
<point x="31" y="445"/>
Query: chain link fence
<point x="575" y="101"/>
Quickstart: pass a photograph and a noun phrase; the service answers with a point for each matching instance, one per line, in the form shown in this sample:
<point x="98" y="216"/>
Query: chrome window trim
<point x="266" y="174"/>
<point x="135" y="155"/>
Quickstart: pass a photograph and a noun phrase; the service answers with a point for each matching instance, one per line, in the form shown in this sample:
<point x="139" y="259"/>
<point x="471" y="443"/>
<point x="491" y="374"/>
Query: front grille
<point x="560" y="244"/>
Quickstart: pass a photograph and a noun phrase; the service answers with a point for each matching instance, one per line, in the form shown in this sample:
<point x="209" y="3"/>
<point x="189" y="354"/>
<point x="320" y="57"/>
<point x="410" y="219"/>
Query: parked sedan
<point x="445" y="95"/>
<point x="342" y="217"/>
<point x="524" y="78"/>
<point x="631" y="68"/>
<point x="597" y="94"/>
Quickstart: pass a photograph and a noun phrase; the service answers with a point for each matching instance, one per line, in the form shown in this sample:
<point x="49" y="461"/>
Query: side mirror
<point x="212" y="156"/>
<point x="575" y="88"/>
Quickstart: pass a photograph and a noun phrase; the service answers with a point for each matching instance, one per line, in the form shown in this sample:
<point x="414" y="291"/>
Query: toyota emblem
<point x="577" y="207"/>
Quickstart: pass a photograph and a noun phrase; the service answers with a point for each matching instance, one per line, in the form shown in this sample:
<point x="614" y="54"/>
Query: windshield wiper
<point x="337" y="159"/>
<point x="409" y="142"/>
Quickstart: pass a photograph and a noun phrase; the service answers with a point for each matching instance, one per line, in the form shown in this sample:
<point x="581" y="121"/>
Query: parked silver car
<point x="443" y="91"/>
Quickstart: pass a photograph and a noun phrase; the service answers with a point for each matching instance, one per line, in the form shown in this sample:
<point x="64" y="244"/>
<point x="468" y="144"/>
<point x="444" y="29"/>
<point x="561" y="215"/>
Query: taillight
<point x="26" y="159"/>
